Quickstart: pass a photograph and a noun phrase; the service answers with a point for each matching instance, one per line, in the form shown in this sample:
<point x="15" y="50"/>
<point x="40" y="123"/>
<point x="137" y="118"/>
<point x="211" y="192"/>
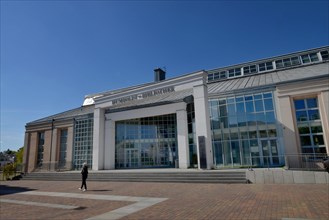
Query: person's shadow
<point x="100" y="190"/>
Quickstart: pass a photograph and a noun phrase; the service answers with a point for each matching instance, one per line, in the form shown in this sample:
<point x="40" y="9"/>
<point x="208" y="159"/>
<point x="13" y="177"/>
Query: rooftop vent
<point x="159" y="75"/>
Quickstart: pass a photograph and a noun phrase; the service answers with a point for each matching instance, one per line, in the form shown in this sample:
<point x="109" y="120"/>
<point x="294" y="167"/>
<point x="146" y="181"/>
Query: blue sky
<point x="53" y="53"/>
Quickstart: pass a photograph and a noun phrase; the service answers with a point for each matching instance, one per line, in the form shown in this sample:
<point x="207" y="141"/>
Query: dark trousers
<point x="84" y="183"/>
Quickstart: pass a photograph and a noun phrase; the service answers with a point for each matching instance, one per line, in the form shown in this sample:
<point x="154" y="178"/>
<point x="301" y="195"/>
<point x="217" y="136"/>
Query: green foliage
<point x="9" y="170"/>
<point x="19" y="155"/>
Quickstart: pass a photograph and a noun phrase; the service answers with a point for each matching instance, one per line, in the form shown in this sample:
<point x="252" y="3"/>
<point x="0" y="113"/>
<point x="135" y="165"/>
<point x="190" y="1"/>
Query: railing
<point x="310" y="162"/>
<point x="289" y="161"/>
<point x="305" y="161"/>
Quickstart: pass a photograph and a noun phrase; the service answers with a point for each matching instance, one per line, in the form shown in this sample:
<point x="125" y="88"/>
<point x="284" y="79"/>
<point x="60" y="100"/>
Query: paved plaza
<point x="131" y="200"/>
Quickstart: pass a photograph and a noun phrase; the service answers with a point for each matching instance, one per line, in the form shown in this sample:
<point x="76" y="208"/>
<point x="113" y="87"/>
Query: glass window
<point x="312" y="103"/>
<point x="83" y="141"/>
<point x="270" y="117"/>
<point x="299" y="104"/>
<point x="309" y="126"/>
<point x="234" y="72"/>
<point x="250" y="106"/>
<point x="305" y="58"/>
<point x="313" y="114"/>
<point x="244" y="123"/>
<point x="279" y="64"/>
<point x="268" y="104"/>
<point x="223" y="75"/>
<point x="316" y="129"/>
<point x="301" y="116"/>
<point x="318" y="140"/>
<point x="304" y="130"/>
<point x="151" y="141"/>
<point x="259" y="105"/>
<point x="305" y="140"/>
<point x="248" y="98"/>
<point x="324" y="55"/>
<point x="314" y="57"/>
<point x="240" y="107"/>
<point x="231" y="109"/>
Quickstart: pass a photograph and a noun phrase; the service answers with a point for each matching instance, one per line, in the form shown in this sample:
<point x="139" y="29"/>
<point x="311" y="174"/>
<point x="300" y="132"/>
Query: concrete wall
<point x="280" y="176"/>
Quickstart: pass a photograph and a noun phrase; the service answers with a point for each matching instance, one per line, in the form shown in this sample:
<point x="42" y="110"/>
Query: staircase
<point x="193" y="176"/>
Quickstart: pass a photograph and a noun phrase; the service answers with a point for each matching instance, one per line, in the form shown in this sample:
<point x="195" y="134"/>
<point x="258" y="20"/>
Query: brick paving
<point x="184" y="200"/>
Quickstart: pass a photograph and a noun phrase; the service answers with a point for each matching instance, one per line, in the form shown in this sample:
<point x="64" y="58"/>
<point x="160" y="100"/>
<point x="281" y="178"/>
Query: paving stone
<point x="180" y="201"/>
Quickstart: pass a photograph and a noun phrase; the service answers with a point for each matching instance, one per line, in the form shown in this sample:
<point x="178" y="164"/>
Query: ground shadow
<point x="5" y="190"/>
<point x="100" y="190"/>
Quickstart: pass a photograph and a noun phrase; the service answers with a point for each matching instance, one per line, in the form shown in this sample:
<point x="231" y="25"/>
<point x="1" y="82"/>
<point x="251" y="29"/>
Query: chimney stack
<point x="159" y="75"/>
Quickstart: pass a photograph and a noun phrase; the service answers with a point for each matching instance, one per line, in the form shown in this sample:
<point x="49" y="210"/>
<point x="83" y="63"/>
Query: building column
<point x="182" y="139"/>
<point x="109" y="155"/>
<point x="324" y="114"/>
<point x="202" y="125"/>
<point x="98" y="139"/>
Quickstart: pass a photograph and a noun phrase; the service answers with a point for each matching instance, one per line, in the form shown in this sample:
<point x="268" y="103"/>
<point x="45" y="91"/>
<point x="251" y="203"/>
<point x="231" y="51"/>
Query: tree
<point x="19" y="155"/>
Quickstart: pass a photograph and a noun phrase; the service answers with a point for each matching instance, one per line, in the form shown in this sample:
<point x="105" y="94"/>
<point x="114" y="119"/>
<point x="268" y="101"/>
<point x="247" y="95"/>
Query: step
<point x="183" y="177"/>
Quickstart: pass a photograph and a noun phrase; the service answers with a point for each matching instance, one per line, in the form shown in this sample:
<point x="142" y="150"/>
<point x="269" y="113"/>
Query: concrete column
<point x="182" y="139"/>
<point x="69" y="149"/>
<point x="109" y="158"/>
<point x="324" y="114"/>
<point x="202" y="121"/>
<point x="33" y="152"/>
<point x="54" y="154"/>
<point x="98" y="139"/>
<point x="285" y="117"/>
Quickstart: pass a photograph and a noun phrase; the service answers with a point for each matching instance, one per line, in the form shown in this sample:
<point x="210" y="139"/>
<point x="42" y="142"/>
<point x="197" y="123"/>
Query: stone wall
<point x="281" y="176"/>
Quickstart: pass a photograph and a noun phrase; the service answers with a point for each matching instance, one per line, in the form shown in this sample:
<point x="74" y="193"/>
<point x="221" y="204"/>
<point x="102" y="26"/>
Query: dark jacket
<point x="84" y="172"/>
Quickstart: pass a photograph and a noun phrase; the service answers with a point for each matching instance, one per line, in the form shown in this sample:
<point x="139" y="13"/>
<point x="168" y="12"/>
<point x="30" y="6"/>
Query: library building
<point x="272" y="112"/>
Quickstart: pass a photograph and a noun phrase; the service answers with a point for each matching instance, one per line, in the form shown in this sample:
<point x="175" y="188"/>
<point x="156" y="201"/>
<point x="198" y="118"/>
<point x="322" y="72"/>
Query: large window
<point x="146" y="142"/>
<point x="41" y="142"/>
<point x="191" y="135"/>
<point x="309" y="126"/>
<point x="83" y="142"/>
<point x="63" y="148"/>
<point x="244" y="130"/>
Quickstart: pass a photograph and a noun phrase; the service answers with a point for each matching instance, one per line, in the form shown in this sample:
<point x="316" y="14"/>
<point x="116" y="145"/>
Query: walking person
<point x="84" y="173"/>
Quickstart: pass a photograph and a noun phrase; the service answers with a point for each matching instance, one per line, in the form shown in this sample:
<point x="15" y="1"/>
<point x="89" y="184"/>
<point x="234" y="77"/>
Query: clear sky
<point x="53" y="53"/>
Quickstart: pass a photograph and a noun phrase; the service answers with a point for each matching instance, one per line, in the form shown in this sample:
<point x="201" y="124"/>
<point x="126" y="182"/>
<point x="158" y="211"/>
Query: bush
<point x="9" y="170"/>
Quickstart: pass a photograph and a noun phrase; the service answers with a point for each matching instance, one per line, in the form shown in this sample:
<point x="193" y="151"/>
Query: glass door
<point x="269" y="152"/>
<point x="131" y="158"/>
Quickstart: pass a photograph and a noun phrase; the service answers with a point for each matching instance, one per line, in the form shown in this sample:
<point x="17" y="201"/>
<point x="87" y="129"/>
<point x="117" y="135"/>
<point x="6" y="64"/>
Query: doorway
<point x="269" y="155"/>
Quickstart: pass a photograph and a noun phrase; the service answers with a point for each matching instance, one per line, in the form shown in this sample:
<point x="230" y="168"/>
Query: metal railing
<point x="311" y="162"/>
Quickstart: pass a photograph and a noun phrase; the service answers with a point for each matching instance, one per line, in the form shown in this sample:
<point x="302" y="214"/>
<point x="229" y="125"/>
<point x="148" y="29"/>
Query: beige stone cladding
<point x="286" y="94"/>
<point x="52" y="132"/>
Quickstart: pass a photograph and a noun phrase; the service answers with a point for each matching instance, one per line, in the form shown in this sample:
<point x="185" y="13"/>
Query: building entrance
<point x="269" y="155"/>
<point x="146" y="142"/>
<point x="132" y="158"/>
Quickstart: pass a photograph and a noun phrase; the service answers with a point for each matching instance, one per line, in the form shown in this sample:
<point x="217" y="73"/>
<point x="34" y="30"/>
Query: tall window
<point x="244" y="130"/>
<point x="191" y="134"/>
<point x="41" y="142"/>
<point x="146" y="142"/>
<point x="83" y="142"/>
<point x="63" y="147"/>
<point x="309" y="126"/>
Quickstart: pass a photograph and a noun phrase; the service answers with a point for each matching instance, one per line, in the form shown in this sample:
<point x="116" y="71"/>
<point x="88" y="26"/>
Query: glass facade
<point x="191" y="135"/>
<point x="63" y="148"/>
<point x="146" y="142"/>
<point x="83" y="142"/>
<point x="309" y="126"/>
<point x="244" y="131"/>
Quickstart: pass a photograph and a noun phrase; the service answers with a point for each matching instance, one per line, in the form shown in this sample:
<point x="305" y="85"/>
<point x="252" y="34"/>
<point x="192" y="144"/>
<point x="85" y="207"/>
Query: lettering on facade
<point x="143" y="95"/>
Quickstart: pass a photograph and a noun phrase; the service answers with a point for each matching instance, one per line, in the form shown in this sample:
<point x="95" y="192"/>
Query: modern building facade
<point x="264" y="113"/>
